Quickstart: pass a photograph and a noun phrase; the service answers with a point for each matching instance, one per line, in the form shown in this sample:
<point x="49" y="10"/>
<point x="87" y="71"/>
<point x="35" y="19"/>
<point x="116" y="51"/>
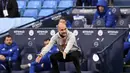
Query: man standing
<point x="8" y="52"/>
<point x="9" y="8"/>
<point x="69" y="51"/>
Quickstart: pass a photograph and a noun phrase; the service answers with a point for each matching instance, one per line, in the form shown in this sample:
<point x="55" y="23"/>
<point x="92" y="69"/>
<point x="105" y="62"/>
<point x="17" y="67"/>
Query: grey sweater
<point x="71" y="43"/>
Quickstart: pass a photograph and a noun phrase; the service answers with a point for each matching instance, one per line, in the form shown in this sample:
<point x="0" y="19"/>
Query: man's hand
<point x="39" y="58"/>
<point x="2" y="57"/>
<point x="64" y="55"/>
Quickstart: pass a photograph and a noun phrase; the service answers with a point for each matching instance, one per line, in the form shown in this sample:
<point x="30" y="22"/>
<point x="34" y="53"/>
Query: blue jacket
<point x="10" y="52"/>
<point x="127" y="47"/>
<point x="46" y="58"/>
<point x="68" y="24"/>
<point x="107" y="15"/>
<point x="127" y="43"/>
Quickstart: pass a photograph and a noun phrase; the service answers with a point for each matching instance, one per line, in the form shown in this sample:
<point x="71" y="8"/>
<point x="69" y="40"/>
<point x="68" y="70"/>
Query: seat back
<point x="34" y="4"/>
<point x="49" y="4"/>
<point x="65" y="4"/>
<point x="21" y="4"/>
<point x="28" y="55"/>
<point x="30" y="13"/>
<point x="100" y="22"/>
<point x="45" y="12"/>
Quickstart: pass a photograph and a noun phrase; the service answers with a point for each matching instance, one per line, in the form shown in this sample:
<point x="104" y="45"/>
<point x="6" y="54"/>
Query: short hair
<point x="46" y="39"/>
<point x="9" y="36"/>
<point x="63" y="18"/>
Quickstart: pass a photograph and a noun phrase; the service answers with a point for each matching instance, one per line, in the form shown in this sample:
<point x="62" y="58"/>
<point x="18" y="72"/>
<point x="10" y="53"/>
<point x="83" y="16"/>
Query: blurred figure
<point x="9" y="53"/>
<point x="65" y="21"/>
<point x="127" y="47"/>
<point x="9" y="8"/>
<point x="45" y="61"/>
<point x="105" y="13"/>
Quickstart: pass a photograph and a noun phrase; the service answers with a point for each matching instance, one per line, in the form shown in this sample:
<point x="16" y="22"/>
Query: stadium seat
<point x="122" y="23"/>
<point x="122" y="2"/>
<point x="49" y="4"/>
<point x="30" y="13"/>
<point x="34" y="4"/>
<point x="45" y="12"/>
<point x="78" y="24"/>
<point x="28" y="55"/>
<point x="21" y="4"/>
<point x="99" y="23"/>
<point x="65" y="4"/>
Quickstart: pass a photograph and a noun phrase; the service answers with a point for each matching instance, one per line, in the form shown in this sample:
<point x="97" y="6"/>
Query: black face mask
<point x="61" y="36"/>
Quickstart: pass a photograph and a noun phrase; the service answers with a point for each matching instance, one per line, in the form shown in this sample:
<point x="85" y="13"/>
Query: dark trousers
<point x="6" y="66"/>
<point x="73" y="56"/>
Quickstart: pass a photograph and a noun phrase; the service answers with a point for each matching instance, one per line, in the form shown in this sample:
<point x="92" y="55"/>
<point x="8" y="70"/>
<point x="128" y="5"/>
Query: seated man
<point x="105" y="13"/>
<point x="9" y="52"/>
<point x="44" y="63"/>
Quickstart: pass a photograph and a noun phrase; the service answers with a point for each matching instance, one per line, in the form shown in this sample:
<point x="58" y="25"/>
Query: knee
<point x="75" y="57"/>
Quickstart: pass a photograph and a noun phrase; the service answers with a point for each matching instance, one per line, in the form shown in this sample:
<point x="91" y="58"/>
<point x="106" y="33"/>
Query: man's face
<point x="62" y="31"/>
<point x="46" y="42"/>
<point x="62" y="21"/>
<point x="101" y="9"/>
<point x="8" y="40"/>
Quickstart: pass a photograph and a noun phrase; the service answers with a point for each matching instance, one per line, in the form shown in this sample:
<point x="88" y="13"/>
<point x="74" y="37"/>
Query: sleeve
<point x="15" y="55"/>
<point x="49" y="46"/>
<point x="1" y="48"/>
<point x="14" y="12"/>
<point x="3" y="52"/>
<point x="70" y="43"/>
<point x="10" y="51"/>
<point x="110" y="20"/>
<point x="126" y="45"/>
<point x="94" y="18"/>
<point x="54" y="49"/>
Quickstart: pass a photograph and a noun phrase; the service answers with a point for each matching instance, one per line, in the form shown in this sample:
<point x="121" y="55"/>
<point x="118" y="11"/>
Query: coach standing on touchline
<point x="67" y="44"/>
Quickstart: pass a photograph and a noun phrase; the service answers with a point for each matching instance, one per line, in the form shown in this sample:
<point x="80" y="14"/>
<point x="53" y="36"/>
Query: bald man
<point x="66" y="43"/>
